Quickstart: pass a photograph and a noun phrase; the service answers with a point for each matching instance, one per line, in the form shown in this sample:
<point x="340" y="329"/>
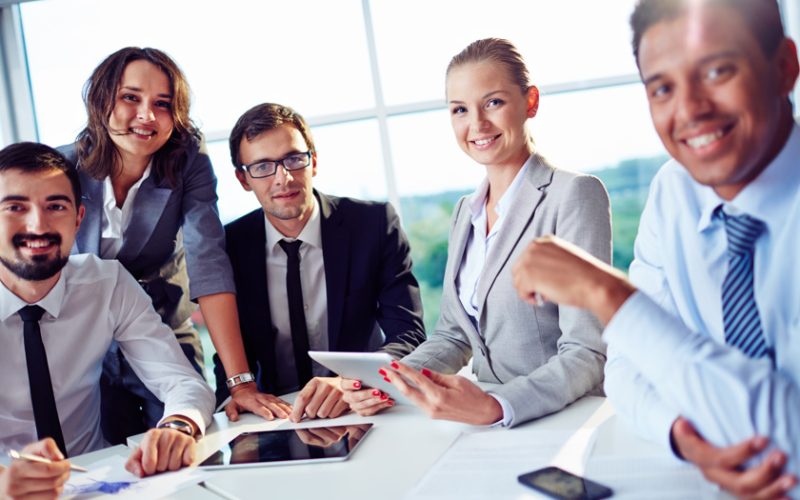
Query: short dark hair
<point x="498" y="50"/>
<point x="260" y="119"/>
<point x="763" y="17"/>
<point x="35" y="157"/>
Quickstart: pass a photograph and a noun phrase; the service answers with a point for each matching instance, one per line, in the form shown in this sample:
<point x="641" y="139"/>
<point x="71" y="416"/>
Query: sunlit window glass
<point x="562" y="41"/>
<point x="235" y="54"/>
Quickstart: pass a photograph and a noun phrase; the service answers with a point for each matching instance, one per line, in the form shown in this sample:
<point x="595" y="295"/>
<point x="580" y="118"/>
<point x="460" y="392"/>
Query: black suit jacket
<point x="368" y="280"/>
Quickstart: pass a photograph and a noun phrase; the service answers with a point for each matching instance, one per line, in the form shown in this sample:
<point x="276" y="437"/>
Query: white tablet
<point x="288" y="447"/>
<point x="361" y="366"/>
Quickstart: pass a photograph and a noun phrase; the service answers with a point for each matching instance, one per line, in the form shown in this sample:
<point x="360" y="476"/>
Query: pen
<point x="35" y="458"/>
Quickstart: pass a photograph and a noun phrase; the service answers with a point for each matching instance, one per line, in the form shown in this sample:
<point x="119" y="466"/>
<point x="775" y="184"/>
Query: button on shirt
<point x="312" y="279"/>
<point x="93" y="302"/>
<point x="667" y="354"/>
<point x="479" y="246"/>
<point x="115" y="219"/>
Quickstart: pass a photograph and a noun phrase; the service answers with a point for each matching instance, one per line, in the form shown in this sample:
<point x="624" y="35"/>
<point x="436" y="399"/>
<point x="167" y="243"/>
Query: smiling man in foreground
<point x="58" y="316"/>
<point x="704" y="339"/>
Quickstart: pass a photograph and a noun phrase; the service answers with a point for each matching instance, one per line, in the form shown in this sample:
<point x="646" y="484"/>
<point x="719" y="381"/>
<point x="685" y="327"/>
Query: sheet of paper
<point x="650" y="477"/>
<point x="485" y="464"/>
<point x="109" y="477"/>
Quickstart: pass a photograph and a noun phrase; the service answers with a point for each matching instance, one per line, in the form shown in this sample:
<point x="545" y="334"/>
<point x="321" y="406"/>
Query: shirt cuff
<point x="508" y="411"/>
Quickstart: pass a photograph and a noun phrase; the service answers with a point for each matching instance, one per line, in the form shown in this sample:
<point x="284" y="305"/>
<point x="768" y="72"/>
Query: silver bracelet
<point x="239" y="379"/>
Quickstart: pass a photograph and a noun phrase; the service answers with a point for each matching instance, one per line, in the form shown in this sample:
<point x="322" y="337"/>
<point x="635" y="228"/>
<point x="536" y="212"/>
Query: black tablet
<point x="285" y="447"/>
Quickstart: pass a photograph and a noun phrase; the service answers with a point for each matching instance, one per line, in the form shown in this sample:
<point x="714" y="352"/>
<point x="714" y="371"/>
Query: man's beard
<point x="41" y="267"/>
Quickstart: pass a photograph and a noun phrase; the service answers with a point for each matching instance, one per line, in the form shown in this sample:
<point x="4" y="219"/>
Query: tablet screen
<point x="307" y="445"/>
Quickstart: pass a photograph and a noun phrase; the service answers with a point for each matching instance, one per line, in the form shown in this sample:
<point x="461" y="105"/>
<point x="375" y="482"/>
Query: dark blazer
<point x="165" y="220"/>
<point x="368" y="280"/>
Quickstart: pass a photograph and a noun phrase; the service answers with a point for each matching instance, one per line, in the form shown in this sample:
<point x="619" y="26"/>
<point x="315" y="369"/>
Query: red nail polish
<point x="357" y="384"/>
<point x="376" y="392"/>
<point x="382" y="371"/>
<point x="387" y="379"/>
<point x="426" y="372"/>
<point x="390" y="402"/>
<point x="395" y="365"/>
<point x="384" y="397"/>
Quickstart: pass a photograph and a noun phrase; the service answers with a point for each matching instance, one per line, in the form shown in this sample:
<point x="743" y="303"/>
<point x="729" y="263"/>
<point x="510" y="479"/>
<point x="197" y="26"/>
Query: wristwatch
<point x="180" y="426"/>
<point x="239" y="379"/>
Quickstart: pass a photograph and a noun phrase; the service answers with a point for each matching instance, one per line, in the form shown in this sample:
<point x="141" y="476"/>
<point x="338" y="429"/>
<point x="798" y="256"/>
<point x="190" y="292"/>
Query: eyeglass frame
<point x="309" y="155"/>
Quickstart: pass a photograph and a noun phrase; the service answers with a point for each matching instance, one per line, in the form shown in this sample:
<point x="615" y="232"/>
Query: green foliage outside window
<point x="427" y="222"/>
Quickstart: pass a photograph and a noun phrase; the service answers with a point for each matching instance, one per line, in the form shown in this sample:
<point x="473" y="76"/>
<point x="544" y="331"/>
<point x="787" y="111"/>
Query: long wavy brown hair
<point x="97" y="154"/>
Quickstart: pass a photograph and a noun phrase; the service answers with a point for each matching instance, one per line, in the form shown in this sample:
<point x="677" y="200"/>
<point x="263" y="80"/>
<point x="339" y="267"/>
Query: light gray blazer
<point x="545" y="357"/>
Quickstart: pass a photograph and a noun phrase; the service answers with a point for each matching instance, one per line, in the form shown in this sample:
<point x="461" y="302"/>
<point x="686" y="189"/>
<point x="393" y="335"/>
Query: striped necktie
<point x="739" y="309"/>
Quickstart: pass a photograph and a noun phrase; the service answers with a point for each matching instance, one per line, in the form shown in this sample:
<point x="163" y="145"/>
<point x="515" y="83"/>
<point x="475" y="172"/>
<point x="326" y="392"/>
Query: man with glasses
<point x="312" y="272"/>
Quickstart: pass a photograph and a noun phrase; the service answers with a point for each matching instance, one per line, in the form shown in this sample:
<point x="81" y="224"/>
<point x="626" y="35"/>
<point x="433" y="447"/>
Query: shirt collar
<point x="51" y="303"/>
<point x="768" y="196"/>
<point x="477" y="200"/>
<point x="311" y="233"/>
<point x="109" y="200"/>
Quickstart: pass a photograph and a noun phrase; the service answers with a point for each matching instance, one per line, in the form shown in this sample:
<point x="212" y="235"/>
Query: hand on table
<point x="246" y="397"/>
<point x="365" y="401"/>
<point x="320" y="398"/>
<point x="162" y="450"/>
<point x="448" y="397"/>
<point x="726" y="466"/>
<point x="566" y="274"/>
<point x="26" y="479"/>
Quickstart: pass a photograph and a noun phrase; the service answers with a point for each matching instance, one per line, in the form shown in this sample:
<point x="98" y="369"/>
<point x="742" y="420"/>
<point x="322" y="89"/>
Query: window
<point x="315" y="56"/>
<point x="235" y="54"/>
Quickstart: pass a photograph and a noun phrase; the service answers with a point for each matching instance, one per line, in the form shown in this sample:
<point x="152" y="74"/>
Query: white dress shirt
<point x="667" y="354"/>
<point x="93" y="302"/>
<point x="315" y="297"/>
<point x="115" y="219"/>
<point x="478" y="247"/>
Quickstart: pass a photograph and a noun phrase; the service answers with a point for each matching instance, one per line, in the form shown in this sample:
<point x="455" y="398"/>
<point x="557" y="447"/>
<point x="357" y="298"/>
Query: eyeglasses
<point x="295" y="161"/>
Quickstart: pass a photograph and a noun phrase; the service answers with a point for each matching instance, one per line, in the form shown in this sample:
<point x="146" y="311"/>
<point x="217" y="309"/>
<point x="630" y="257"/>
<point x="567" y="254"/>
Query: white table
<point x="404" y="444"/>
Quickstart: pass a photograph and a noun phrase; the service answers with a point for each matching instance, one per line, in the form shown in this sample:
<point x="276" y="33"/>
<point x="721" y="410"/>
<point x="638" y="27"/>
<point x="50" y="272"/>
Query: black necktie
<point x="45" y="413"/>
<point x="297" y="316"/>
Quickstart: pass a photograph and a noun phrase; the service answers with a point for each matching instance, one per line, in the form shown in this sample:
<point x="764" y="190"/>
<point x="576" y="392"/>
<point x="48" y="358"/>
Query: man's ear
<point x="81" y="214"/>
<point x="241" y="175"/>
<point x="533" y="101"/>
<point x="786" y="60"/>
<point x="313" y="164"/>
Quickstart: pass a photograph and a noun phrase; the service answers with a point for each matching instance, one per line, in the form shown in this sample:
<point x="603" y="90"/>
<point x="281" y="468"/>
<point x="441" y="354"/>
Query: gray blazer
<point x="545" y="357"/>
<point x="165" y="220"/>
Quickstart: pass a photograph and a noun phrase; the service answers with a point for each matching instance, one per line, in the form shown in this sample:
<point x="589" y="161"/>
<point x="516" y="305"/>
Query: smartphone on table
<point x="558" y="483"/>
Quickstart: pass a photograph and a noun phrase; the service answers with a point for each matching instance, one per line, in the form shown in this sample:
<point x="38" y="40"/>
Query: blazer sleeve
<point x="584" y="218"/>
<point x="399" y="311"/>
<point x="448" y="348"/>
<point x="203" y="236"/>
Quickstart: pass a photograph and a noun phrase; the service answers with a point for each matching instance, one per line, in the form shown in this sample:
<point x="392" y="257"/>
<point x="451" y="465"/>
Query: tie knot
<point x="292" y="248"/>
<point x="31" y="313"/>
<point x="742" y="231"/>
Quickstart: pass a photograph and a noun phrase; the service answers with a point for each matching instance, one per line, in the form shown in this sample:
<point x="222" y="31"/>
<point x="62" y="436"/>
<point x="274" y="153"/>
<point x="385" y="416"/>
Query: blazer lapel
<point x="516" y="220"/>
<point x="461" y="231"/>
<point x="148" y="207"/>
<point x="336" y="256"/>
<point x="88" y="238"/>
